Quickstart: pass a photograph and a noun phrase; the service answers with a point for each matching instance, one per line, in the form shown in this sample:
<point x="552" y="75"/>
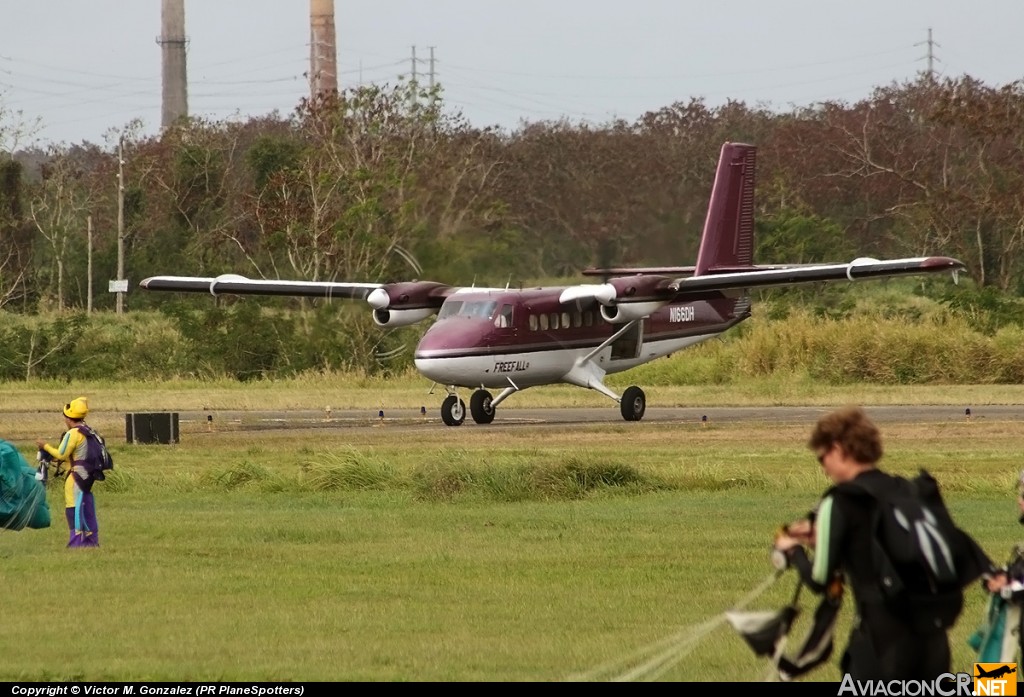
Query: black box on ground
<point x="153" y="427"/>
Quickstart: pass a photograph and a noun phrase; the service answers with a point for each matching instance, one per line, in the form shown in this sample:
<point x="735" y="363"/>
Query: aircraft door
<point x="627" y="346"/>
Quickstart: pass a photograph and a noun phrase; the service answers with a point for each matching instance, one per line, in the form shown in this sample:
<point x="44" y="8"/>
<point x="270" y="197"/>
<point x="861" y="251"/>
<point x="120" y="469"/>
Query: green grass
<point x="593" y="552"/>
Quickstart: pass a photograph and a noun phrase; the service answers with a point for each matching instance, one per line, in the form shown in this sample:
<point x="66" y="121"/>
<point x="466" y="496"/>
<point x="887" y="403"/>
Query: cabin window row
<point x="561" y="320"/>
<point x="502" y="316"/>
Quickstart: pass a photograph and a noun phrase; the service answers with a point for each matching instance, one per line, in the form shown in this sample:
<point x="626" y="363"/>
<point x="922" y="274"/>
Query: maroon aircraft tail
<point x="728" y="240"/>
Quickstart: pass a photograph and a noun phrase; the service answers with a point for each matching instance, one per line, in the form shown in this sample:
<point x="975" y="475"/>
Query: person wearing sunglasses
<point x="898" y="635"/>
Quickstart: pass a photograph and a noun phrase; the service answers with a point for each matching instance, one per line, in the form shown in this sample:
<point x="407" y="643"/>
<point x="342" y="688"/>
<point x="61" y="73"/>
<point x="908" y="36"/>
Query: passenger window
<point x="533" y="323"/>
<point x="554" y="320"/>
<point x="565" y="320"/>
<point x="543" y="323"/>
<point x="577" y="318"/>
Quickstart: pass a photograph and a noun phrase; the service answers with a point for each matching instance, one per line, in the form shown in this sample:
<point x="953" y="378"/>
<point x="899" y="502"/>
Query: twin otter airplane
<point x="507" y="340"/>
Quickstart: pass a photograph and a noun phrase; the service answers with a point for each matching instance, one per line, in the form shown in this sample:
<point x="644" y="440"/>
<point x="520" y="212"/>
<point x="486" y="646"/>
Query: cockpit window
<point x="449" y="309"/>
<point x="478" y="309"/>
<point x="504" y="316"/>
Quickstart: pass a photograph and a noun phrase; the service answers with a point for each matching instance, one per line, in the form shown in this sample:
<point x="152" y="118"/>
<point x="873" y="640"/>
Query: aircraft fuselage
<point x="495" y="337"/>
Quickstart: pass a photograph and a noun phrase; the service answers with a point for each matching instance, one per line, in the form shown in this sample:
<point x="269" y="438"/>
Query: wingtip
<point x="944" y="263"/>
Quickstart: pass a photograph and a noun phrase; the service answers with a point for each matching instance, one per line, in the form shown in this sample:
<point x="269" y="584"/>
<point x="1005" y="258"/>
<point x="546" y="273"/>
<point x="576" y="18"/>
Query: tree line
<point x="385" y="183"/>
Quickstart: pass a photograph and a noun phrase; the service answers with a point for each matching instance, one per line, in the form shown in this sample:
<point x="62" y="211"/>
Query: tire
<point x="480" y="407"/>
<point x="633" y="403"/>
<point x="453" y="411"/>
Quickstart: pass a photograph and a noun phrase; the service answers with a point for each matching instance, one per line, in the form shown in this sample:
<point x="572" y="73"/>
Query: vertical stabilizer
<point x="728" y="239"/>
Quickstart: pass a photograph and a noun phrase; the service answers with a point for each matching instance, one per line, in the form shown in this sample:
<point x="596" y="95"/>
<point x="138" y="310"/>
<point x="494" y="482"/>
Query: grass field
<point x="590" y="553"/>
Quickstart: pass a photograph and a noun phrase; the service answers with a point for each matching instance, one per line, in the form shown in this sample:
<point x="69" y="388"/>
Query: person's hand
<point x="996" y="583"/>
<point x="41" y="443"/>
<point x="801" y="529"/>
<point x="785" y="542"/>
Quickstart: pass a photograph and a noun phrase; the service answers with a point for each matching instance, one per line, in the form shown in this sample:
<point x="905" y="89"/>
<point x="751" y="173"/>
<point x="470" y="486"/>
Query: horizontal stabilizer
<point x="640" y="270"/>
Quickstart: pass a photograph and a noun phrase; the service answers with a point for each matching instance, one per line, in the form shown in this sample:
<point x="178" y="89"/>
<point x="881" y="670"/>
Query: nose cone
<point x="451" y="349"/>
<point x="448" y="351"/>
<point x="454" y="336"/>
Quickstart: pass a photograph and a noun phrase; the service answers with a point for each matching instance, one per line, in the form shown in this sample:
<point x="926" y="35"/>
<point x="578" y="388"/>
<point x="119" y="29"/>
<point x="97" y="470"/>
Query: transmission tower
<point x="932" y="45"/>
<point x="414" y="72"/>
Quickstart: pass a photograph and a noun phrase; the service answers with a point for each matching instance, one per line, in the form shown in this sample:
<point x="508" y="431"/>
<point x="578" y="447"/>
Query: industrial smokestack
<point x="175" y="77"/>
<point x="323" y="61"/>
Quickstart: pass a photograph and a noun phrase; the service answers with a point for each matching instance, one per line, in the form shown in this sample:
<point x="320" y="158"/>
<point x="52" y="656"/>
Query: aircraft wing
<point x="240" y="285"/>
<point x="394" y="304"/>
<point x="625" y="298"/>
<point x="861" y="268"/>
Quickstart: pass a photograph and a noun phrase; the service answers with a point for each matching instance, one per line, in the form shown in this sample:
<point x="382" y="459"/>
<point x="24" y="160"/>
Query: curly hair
<point x="851" y="428"/>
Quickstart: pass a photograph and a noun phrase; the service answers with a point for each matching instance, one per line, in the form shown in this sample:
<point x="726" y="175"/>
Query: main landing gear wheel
<point x="453" y="411"/>
<point x="480" y="407"/>
<point x="633" y="403"/>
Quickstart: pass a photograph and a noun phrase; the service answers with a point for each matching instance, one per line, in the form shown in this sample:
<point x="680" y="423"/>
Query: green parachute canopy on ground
<point x="22" y="496"/>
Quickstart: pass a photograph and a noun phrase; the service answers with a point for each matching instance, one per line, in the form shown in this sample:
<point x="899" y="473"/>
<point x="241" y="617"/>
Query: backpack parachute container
<point x="22" y="496"/>
<point x="924" y="560"/>
<point x="98" y="459"/>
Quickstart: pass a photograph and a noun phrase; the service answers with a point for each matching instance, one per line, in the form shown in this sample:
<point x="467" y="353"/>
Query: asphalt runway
<point x="414" y="419"/>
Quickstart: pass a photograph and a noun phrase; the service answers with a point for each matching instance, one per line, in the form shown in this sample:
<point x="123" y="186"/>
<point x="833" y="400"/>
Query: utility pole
<point x="88" y="247"/>
<point x="175" y="75"/>
<point x="122" y="283"/>
<point x="323" y="58"/>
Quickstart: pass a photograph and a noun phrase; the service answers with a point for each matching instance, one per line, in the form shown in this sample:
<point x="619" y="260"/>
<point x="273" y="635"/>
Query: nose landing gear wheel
<point x="633" y="403"/>
<point x="453" y="411"/>
<point x="480" y="407"/>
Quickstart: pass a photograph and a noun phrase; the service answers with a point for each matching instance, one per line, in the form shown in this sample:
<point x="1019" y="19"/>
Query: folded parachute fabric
<point x="817" y="645"/>
<point x="764" y="632"/>
<point x="22" y="496"/>
<point x="996" y="640"/>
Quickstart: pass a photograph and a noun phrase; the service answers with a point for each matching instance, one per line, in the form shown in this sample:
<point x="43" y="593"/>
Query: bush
<point x="889" y="337"/>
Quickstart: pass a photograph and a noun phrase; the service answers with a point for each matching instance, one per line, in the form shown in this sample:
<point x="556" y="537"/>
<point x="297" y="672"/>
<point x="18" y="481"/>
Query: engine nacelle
<point x="401" y="318"/>
<point x="627" y="312"/>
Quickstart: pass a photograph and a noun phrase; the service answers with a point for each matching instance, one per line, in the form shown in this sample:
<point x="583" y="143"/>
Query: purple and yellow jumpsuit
<point x="79" y="503"/>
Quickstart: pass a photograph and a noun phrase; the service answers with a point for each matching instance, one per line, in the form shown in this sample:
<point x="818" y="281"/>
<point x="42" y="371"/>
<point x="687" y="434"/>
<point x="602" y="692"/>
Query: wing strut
<point x="608" y="342"/>
<point x="505" y="393"/>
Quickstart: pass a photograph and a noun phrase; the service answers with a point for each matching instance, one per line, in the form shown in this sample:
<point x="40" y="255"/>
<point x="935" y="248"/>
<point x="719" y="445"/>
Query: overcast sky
<point x="85" y="67"/>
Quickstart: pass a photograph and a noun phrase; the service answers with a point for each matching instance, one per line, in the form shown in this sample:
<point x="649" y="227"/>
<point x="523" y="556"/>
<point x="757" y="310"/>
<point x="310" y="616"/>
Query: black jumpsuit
<point x="884" y="643"/>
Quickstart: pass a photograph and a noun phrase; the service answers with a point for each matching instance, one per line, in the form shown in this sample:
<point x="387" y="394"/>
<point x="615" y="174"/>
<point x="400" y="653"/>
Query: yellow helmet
<point x="76" y="408"/>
